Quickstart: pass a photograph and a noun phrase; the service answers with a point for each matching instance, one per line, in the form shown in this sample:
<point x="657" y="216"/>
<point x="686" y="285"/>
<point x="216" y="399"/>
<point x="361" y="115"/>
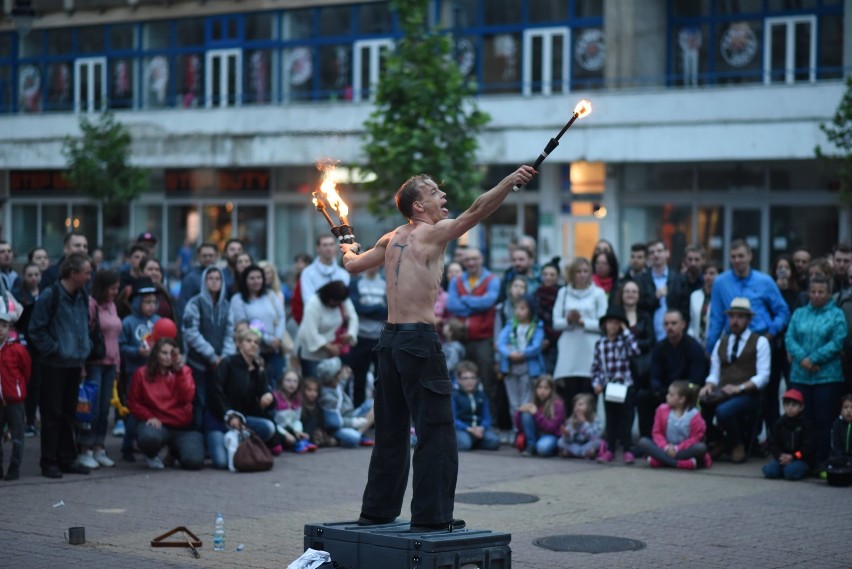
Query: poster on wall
<point x="300" y="66"/>
<point x="590" y="50"/>
<point x="156" y="81"/>
<point x="738" y="45"/>
<point x="259" y="76"/>
<point x="29" y="89"/>
<point x="689" y="40"/>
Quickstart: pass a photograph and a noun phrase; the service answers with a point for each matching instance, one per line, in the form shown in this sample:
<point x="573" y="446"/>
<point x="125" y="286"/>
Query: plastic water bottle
<point x="219" y="533"/>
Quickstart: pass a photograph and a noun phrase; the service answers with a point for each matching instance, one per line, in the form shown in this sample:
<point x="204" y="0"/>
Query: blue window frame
<point x="711" y="42"/>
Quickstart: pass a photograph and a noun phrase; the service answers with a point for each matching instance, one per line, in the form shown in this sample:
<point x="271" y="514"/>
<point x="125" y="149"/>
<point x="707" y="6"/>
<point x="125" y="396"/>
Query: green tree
<point x="839" y="134"/>
<point x="425" y="120"/>
<point x="98" y="163"/>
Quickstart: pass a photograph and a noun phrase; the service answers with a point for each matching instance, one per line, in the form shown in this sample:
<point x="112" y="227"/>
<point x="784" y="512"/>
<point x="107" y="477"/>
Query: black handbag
<point x="252" y="455"/>
<point x="96" y="338"/>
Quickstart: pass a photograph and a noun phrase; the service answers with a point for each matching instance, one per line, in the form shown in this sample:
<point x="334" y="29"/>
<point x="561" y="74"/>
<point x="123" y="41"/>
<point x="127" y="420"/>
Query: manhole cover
<point x="589" y="543"/>
<point x="496" y="498"/>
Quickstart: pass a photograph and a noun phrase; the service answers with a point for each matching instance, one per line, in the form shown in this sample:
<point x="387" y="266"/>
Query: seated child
<point x="791" y="441"/>
<point x="581" y="434"/>
<point x="287" y="415"/>
<point x="470" y="411"/>
<point x="840" y="459"/>
<point x="15" y="369"/>
<point x="454" y="332"/>
<point x="341" y="419"/>
<point x="678" y="431"/>
<point x="312" y="422"/>
<point x="541" y="420"/>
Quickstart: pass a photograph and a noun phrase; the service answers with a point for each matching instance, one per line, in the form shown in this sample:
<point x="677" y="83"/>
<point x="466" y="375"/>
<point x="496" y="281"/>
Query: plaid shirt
<point x="612" y="359"/>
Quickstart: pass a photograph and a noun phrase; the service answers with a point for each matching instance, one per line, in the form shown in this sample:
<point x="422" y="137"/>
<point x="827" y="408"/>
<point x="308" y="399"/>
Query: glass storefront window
<point x="5" y="45"/>
<point x="548" y="11"/>
<point x="122" y="37"/>
<point x="260" y="26"/>
<point x="794" y="226"/>
<point x="711" y="232"/>
<point x="59" y="41"/>
<point x="156" y="35"/>
<point x="184" y="225"/>
<point x="739" y="7"/>
<point x="501" y="71"/>
<point x="190" y="79"/>
<point x="216" y="223"/>
<point x="91" y="39"/>
<point x="59" y="87"/>
<point x="374" y="18"/>
<point x="639" y="178"/>
<point x="805" y="175"/>
<point x="669" y="222"/>
<point x="31" y="45"/>
<point x="24" y="237"/>
<point x="251" y="230"/>
<point x="121" y="73"/>
<point x="591" y="8"/>
<point x="148" y="217"/>
<point x="84" y="219"/>
<point x="335" y="21"/>
<point x="190" y="33"/>
<point x="731" y="176"/>
<point x="691" y="8"/>
<point x="116" y="234"/>
<point x="292" y="233"/>
<point x="787" y="6"/>
<point x="829" y="58"/>
<point x="297" y="24"/>
<point x="258" y="77"/>
<point x="336" y="71"/>
<point x="53" y="228"/>
<point x="502" y="12"/>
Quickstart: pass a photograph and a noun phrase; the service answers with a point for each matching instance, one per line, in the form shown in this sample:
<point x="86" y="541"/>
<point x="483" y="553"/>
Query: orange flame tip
<point x="583" y="108"/>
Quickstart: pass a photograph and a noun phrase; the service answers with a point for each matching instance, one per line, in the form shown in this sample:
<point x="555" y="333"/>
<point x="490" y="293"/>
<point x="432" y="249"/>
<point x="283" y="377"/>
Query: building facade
<point x="705" y="118"/>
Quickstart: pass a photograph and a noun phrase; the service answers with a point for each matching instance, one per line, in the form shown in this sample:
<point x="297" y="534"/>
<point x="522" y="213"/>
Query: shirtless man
<point x="413" y="381"/>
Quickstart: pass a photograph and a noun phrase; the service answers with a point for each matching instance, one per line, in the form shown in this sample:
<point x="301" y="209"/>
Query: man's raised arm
<point x="484" y="205"/>
<point x="375" y="257"/>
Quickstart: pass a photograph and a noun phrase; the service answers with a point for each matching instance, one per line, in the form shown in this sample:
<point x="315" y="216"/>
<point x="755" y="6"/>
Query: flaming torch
<point x="328" y="193"/>
<point x="582" y="109"/>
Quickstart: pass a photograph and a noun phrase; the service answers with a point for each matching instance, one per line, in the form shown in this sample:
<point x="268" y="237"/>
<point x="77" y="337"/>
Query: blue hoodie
<point x="134" y="330"/>
<point x="208" y="329"/>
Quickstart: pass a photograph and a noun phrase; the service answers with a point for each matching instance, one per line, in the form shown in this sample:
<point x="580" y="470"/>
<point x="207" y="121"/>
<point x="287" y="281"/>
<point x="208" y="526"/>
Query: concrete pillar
<point x="635" y="34"/>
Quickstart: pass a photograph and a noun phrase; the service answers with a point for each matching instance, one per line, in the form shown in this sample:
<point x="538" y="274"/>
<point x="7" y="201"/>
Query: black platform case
<point x="392" y="546"/>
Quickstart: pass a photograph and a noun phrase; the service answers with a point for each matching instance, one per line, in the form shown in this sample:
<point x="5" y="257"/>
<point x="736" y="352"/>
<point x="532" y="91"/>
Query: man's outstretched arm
<point x="484" y="205"/>
<point x="375" y="257"/>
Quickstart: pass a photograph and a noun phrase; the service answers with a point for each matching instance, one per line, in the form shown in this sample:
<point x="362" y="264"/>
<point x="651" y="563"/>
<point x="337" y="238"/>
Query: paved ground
<point x="725" y="517"/>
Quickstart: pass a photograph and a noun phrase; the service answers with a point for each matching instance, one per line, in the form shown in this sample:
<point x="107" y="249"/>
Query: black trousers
<point x="58" y="405"/>
<point x="12" y="415"/>
<point x="412" y="383"/>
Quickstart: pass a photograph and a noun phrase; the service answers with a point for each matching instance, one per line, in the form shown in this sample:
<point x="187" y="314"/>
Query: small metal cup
<point x="76" y="535"/>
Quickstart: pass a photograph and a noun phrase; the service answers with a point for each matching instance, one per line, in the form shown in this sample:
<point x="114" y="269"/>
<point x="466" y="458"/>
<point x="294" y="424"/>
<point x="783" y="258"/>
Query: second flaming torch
<point x="582" y="109"/>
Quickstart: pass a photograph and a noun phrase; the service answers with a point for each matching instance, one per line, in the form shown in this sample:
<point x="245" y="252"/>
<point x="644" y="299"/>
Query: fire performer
<point x="413" y="381"/>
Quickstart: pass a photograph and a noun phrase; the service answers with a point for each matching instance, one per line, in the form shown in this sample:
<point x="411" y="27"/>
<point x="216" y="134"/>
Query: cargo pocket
<point x="437" y="405"/>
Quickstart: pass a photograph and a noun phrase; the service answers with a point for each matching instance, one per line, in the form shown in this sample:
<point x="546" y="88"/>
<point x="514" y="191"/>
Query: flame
<point x="328" y="188"/>
<point x="583" y="108"/>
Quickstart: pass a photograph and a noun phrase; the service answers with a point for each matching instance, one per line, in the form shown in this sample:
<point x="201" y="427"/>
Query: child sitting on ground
<point x="791" y="441"/>
<point x="312" y="422"/>
<point x="15" y="369"/>
<point x="470" y="411"/>
<point x="839" y="471"/>
<point x="678" y="431"/>
<point x="341" y="419"/>
<point x="581" y="434"/>
<point x="541" y="420"/>
<point x="288" y="415"/>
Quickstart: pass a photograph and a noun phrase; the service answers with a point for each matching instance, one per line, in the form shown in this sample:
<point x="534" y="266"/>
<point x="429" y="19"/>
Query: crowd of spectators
<point x="556" y="360"/>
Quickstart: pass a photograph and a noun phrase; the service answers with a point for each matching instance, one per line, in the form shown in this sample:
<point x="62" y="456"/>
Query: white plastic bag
<point x="310" y="559"/>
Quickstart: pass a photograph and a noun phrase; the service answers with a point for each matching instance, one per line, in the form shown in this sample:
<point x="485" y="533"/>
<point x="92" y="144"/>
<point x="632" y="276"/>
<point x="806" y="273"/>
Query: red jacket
<point x="167" y="398"/>
<point x="15" y="369"/>
<point x="697" y="426"/>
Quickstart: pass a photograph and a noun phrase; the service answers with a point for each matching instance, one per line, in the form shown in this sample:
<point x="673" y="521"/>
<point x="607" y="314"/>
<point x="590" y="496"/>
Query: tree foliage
<point x="425" y="120"/>
<point x="839" y="134"/>
<point x="98" y="162"/>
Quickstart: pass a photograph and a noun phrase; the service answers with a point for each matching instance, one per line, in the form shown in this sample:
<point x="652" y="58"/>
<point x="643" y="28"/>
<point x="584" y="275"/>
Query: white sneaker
<point x="102" y="459"/>
<point x="118" y="431"/>
<point x="86" y="459"/>
<point x="156" y="463"/>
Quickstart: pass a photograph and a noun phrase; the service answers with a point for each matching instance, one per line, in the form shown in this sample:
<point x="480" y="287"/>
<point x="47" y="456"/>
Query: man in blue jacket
<point x="59" y="331"/>
<point x="771" y="312"/>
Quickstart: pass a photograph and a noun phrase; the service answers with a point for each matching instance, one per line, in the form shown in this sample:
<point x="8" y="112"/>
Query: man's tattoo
<point x="398" y="261"/>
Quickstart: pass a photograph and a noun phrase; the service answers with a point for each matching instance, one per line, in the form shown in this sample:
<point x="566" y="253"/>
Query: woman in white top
<point x="699" y="305"/>
<point x="261" y="308"/>
<point x="577" y="312"/>
<point x="329" y="327"/>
